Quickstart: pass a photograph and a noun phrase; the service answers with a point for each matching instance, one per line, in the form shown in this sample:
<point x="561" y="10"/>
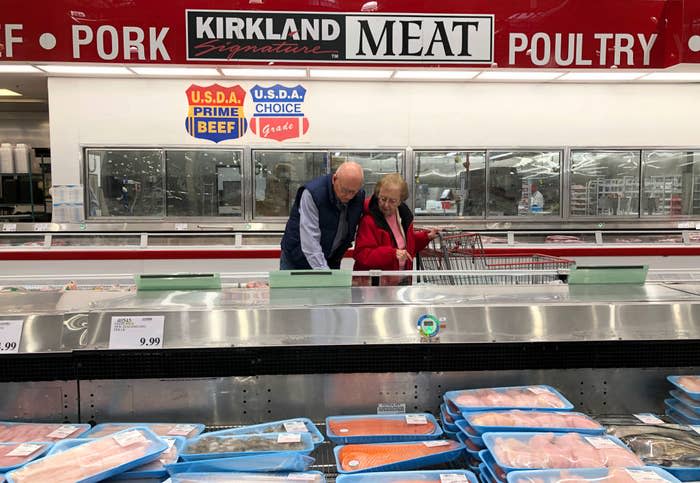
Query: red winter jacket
<point x="375" y="246"/>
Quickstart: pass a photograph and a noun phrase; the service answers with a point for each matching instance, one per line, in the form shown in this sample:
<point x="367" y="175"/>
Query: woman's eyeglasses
<point x="388" y="201"/>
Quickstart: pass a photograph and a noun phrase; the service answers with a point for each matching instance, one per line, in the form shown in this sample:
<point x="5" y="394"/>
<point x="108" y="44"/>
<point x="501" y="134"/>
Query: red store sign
<point x="514" y="34"/>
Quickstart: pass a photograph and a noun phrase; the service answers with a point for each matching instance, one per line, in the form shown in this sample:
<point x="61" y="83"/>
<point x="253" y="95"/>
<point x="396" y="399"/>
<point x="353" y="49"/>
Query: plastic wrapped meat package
<point x="593" y="475"/>
<point x="308" y="477"/>
<point x="395" y="456"/>
<point x="187" y="430"/>
<point x="95" y="460"/>
<point x="13" y="455"/>
<point x="670" y="446"/>
<point x="207" y="447"/>
<point x="24" y="432"/>
<point x="517" y="420"/>
<point x="296" y="425"/>
<point x="433" y="476"/>
<point x="689" y="384"/>
<point x="513" y="451"/>
<point x="382" y="428"/>
<point x="518" y="397"/>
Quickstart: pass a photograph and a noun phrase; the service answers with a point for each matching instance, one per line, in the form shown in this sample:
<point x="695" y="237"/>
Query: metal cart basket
<point x="462" y="252"/>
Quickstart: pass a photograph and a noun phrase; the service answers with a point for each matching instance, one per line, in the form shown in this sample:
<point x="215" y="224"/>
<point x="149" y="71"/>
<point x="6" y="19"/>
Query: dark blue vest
<point x="321" y="190"/>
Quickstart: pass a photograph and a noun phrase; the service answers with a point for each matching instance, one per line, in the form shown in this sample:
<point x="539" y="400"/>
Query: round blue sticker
<point x="428" y="325"/>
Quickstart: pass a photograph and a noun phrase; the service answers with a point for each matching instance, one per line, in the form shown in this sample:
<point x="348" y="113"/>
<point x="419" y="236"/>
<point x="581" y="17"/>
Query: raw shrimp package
<point x="545" y="398"/>
<point x="24" y="432"/>
<point x="296" y="425"/>
<point x="227" y="446"/>
<point x="513" y="451"/>
<point x="263" y="463"/>
<point x="14" y="455"/>
<point x="187" y="430"/>
<point x="528" y="421"/>
<point x="688" y="384"/>
<point x="307" y="477"/>
<point x="594" y="475"/>
<point x="95" y="460"/>
<point x="433" y="476"/>
<point x="374" y="428"/>
<point x="357" y="458"/>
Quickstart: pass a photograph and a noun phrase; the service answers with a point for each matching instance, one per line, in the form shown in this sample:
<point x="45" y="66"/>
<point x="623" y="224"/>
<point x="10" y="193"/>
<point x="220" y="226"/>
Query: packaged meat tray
<point x="451" y="409"/>
<point x="387" y="428"/>
<point x="470" y="447"/>
<point x="14" y="455"/>
<point x="450" y="434"/>
<point x="24" y="432"/>
<point x="544" y="398"/>
<point x="471" y="433"/>
<point x="307" y="477"/>
<point x="356" y="458"/>
<point x="688" y="384"/>
<point x="95" y="460"/>
<point x="595" y="475"/>
<point x="485" y="475"/>
<point x="451" y="427"/>
<point x="447" y="416"/>
<point x="513" y="451"/>
<point x="495" y="472"/>
<point x="228" y="446"/>
<point x="433" y="476"/>
<point x="275" y="462"/>
<point x="296" y="425"/>
<point x="528" y="421"/>
<point x="187" y="430"/>
<point x="692" y="404"/>
<point x="156" y="468"/>
<point x="688" y="415"/>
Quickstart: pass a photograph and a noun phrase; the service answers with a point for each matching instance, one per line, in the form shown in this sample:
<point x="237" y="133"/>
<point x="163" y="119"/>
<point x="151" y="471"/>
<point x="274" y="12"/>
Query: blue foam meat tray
<point x="316" y="435"/>
<point x="472" y="450"/>
<point x="528" y="429"/>
<point x="46" y="446"/>
<point x="490" y="464"/>
<point x="382" y="438"/>
<point x="674" y="380"/>
<point x="157" y="447"/>
<point x="685" y="411"/>
<point x="136" y="473"/>
<point x="305" y="439"/>
<point x="594" y="475"/>
<point x="485" y="474"/>
<point x="450" y="395"/>
<point x="412" y="464"/>
<point x="470" y="432"/>
<point x="683" y="397"/>
<point x="392" y="476"/>
<point x="454" y="414"/>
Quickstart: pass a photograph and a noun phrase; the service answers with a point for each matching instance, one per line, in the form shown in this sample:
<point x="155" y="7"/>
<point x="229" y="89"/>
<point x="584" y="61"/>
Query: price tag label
<point x="63" y="431"/>
<point x="301" y="477"/>
<point x="128" y="438"/>
<point x="289" y="438"/>
<point x="136" y="332"/>
<point x="391" y="408"/>
<point x="452" y="478"/>
<point x="10" y="335"/>
<point x="181" y="226"/>
<point x="296" y="427"/>
<point x="644" y="475"/>
<point x="9" y="227"/>
<point x="439" y="442"/>
<point x="41" y="227"/>
<point x="24" y="449"/>
<point x="648" y="418"/>
<point x="598" y="442"/>
<point x="181" y="430"/>
<point x="416" y="419"/>
<point x="538" y="390"/>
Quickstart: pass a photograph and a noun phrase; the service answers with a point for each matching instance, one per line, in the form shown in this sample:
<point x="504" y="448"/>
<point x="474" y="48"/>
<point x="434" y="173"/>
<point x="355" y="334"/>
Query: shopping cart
<point x="465" y="252"/>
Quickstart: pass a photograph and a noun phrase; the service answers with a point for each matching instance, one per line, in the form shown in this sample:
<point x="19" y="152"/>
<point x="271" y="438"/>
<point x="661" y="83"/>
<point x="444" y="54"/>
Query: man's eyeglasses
<point x="389" y="201"/>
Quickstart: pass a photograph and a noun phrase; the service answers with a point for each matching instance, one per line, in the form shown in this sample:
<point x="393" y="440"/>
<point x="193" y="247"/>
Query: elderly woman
<point x="385" y="238"/>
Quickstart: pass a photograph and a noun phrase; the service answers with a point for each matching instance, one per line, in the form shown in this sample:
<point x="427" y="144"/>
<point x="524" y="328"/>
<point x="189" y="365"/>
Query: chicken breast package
<point x="187" y="430"/>
<point x="24" y="432"/>
<point x="308" y="477"/>
<point x="518" y="420"/>
<point x="513" y="451"/>
<point x="516" y="397"/>
<point x="14" y="455"/>
<point x="375" y="428"/>
<point x="688" y="384"/>
<point x="597" y="475"/>
<point x="95" y="460"/>
<point x="432" y="476"/>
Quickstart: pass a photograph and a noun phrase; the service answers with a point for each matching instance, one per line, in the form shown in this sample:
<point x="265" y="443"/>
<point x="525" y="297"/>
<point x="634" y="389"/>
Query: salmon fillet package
<point x="690" y="385"/>
<point x="95" y="460"/>
<point x="307" y="477"/>
<point x="517" y="420"/>
<point x="24" y="432"/>
<point x="514" y="451"/>
<point x="518" y="397"/>
<point x="207" y="446"/>
<point x="14" y="455"/>
<point x="187" y="430"/>
<point x="356" y="458"/>
<point x="375" y="428"/>
<point x="433" y="476"/>
<point x="296" y="425"/>
<point x="647" y="474"/>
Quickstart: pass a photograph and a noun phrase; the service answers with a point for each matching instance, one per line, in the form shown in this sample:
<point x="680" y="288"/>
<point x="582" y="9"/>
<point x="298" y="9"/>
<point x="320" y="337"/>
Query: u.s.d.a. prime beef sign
<point x="287" y="36"/>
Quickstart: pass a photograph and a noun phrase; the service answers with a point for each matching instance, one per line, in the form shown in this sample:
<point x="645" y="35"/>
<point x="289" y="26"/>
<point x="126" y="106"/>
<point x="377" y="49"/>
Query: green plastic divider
<point x="310" y="278"/>
<point x="625" y="274"/>
<point x="179" y="281"/>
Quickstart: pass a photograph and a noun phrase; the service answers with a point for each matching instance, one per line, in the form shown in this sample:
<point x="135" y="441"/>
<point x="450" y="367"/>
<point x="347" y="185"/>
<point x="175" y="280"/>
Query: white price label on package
<point x="24" y="449"/>
<point x="9" y="227"/>
<point x="644" y="475"/>
<point x="289" y="438"/>
<point x="136" y="332"/>
<point x="181" y="430"/>
<point x="648" y="418"/>
<point x="129" y="437"/>
<point x="295" y="427"/>
<point x="598" y="442"/>
<point x="63" y="431"/>
<point x="452" y="478"/>
<point x="439" y="442"/>
<point x="416" y="419"/>
<point x="301" y="477"/>
<point x="10" y="335"/>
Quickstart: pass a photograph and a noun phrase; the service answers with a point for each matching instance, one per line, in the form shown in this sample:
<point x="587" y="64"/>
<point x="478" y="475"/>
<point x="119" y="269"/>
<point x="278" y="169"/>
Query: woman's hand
<point x="433" y="233"/>
<point x="403" y="255"/>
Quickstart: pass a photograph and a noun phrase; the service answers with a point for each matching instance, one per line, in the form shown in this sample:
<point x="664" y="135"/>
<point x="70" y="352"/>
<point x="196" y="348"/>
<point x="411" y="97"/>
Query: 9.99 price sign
<point x="136" y="332"/>
<point x="10" y="336"/>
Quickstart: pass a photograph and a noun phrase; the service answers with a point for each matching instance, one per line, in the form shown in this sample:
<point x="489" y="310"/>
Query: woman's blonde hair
<point x="393" y="179"/>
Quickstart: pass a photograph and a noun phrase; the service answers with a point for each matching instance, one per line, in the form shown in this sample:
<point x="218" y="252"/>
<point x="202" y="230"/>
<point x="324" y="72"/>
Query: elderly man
<point x="323" y="220"/>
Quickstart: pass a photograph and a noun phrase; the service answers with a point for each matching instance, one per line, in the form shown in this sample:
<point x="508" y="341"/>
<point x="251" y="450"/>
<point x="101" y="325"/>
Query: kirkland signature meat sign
<point x="298" y="36"/>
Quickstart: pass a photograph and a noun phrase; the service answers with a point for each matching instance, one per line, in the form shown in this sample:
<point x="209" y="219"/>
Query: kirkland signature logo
<point x="299" y="36"/>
